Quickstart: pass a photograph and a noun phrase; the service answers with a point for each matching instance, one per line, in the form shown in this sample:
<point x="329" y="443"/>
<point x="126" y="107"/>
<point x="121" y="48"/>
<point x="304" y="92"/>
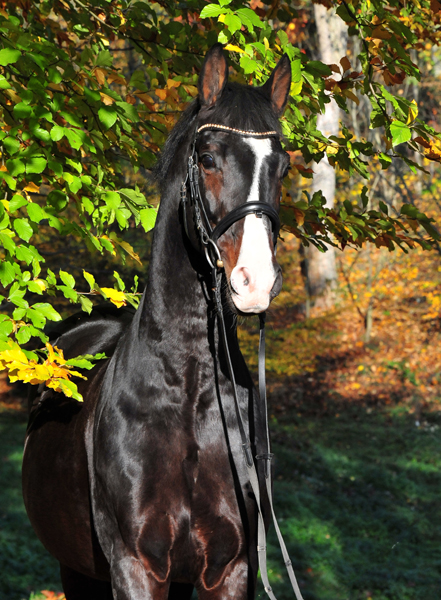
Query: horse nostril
<point x="277" y="286"/>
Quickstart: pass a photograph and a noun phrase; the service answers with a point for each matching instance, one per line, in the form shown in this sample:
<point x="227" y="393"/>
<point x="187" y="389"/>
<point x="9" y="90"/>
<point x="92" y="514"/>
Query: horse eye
<point x="286" y="171"/>
<point x="207" y="161"/>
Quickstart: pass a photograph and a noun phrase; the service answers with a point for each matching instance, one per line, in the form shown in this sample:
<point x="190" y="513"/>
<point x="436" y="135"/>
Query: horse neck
<point x="176" y="302"/>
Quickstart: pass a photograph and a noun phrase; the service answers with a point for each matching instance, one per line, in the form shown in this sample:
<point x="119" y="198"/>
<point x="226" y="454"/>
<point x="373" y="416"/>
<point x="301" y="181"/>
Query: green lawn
<point x="25" y="566"/>
<point x="358" y="497"/>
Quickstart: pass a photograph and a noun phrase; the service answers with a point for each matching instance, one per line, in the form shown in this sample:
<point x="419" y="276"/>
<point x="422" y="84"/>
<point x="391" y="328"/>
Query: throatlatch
<point x="209" y="237"/>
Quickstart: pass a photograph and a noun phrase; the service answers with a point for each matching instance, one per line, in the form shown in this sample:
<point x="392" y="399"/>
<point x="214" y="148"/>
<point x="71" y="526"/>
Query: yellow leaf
<point x="171" y="83"/>
<point x="221" y="18"/>
<point x="126" y="246"/>
<point x="40" y="283"/>
<point x="266" y="42"/>
<point x="116" y="297"/>
<point x="107" y="100"/>
<point x="162" y="94"/>
<point x="233" y="48"/>
<point x="296" y="87"/>
<point x="31" y="187"/>
<point x="100" y="75"/>
<point x="117" y="78"/>
<point x="331" y="149"/>
<point x="413" y="112"/>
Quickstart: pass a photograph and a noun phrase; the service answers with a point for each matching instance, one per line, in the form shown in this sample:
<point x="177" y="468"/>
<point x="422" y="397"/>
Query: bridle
<point x="208" y="237"/>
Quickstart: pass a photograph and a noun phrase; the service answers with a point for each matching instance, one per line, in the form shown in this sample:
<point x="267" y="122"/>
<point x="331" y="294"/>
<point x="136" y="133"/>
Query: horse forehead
<point x="261" y="149"/>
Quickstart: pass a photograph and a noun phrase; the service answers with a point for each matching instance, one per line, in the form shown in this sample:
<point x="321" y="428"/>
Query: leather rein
<point x="208" y="237"/>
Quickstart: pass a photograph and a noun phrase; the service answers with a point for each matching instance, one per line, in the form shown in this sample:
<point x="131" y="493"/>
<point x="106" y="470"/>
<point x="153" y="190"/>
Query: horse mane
<point x="240" y="106"/>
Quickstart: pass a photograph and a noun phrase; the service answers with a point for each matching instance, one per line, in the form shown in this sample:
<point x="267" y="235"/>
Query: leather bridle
<point x="209" y="236"/>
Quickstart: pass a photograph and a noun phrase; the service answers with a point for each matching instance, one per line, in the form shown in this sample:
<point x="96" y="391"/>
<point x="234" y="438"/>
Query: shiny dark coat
<point x="141" y="491"/>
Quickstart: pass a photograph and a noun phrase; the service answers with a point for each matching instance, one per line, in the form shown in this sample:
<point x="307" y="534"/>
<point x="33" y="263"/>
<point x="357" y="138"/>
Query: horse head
<point x="240" y="167"/>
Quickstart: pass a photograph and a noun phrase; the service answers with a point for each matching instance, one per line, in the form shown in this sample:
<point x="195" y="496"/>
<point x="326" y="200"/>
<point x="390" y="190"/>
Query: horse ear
<point x="278" y="85"/>
<point x="213" y="77"/>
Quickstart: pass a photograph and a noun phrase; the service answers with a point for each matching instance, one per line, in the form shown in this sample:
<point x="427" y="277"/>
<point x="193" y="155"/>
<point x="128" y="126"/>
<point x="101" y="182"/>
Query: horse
<point x="142" y="491"/>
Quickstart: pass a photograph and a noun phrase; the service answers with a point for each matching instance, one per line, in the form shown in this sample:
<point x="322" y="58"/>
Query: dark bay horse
<point x="141" y="492"/>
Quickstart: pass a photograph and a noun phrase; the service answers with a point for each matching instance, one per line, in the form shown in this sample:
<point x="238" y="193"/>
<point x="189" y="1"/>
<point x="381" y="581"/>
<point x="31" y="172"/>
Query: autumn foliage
<point x="89" y="91"/>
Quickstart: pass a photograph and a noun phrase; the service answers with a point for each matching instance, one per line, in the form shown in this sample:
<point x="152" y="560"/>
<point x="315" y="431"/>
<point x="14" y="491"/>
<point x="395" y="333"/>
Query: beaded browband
<point x="239" y="131"/>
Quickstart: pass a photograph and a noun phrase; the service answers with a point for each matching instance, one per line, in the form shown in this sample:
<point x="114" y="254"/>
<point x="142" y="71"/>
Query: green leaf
<point x="68" y="292"/>
<point x="67" y="279"/>
<point x="400" y="133"/>
<point x="107" y="115"/>
<point x="23" y="229"/>
<point x="16" y="297"/>
<point x="24" y="254"/>
<point x="233" y="23"/>
<point x="316" y="66"/>
<point x="409" y="211"/>
<point x="57" y="199"/>
<point x="211" y="10"/>
<point x="73" y="138"/>
<point x="56" y="167"/>
<point x="7" y="273"/>
<point x="54" y="75"/>
<point x="283" y="38"/>
<point x="56" y="133"/>
<point x="6" y="326"/>
<point x="36" y="164"/>
<point x="4" y="83"/>
<point x="133" y="196"/>
<point x="112" y="199"/>
<point x="12" y="145"/>
<point x="86" y="303"/>
<point x="35" y="212"/>
<point x="8" y="56"/>
<point x="249" y="14"/>
<point x="90" y="279"/>
<point x="37" y="319"/>
<point x="385" y="160"/>
<point x="148" y="218"/>
<point x="104" y="59"/>
<point x="23" y="335"/>
<point x="383" y="207"/>
<point x="22" y="111"/>
<point x="8" y="243"/>
<point x="119" y="282"/>
<point x="15" y="167"/>
<point x="129" y="111"/>
<point x="47" y="311"/>
<point x="248" y="65"/>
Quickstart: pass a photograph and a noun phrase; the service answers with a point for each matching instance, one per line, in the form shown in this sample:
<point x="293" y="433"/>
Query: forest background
<point x="88" y="92"/>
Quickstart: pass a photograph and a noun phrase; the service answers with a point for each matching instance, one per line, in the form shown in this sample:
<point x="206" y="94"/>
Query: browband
<point x="238" y="131"/>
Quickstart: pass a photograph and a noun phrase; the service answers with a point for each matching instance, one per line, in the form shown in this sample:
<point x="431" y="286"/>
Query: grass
<point x="357" y="495"/>
<point x="25" y="566"/>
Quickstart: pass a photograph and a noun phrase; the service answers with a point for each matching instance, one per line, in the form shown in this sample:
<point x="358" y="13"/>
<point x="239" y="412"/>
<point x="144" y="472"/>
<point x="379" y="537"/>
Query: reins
<point x="209" y="237"/>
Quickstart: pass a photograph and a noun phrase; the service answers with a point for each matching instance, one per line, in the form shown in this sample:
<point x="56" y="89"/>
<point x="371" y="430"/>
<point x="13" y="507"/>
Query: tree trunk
<point x="321" y="273"/>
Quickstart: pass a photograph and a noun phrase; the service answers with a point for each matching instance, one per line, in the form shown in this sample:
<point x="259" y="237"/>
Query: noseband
<point x="209" y="237"/>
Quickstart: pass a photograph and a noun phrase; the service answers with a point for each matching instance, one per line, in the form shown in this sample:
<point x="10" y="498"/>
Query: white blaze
<point x="253" y="277"/>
